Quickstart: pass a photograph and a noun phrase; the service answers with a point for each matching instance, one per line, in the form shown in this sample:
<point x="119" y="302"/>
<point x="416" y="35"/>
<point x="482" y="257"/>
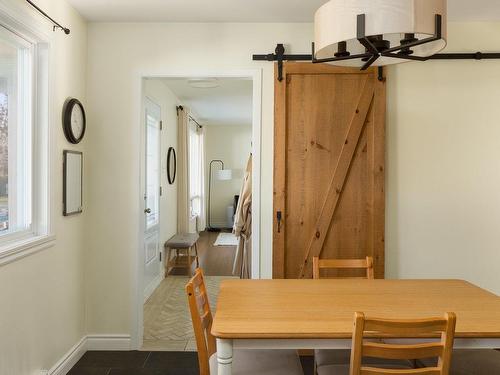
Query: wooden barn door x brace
<point x="328" y="167"/>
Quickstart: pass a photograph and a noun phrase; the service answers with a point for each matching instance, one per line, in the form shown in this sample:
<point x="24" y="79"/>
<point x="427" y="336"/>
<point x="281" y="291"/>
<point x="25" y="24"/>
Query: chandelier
<point x="363" y="33"/>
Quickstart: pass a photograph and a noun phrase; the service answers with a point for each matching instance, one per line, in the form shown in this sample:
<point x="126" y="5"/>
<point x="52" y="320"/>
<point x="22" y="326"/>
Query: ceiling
<point x="244" y="10"/>
<point x="228" y="104"/>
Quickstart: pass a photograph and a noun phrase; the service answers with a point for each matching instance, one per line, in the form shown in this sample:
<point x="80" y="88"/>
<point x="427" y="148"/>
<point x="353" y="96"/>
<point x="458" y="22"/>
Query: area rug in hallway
<point x="226" y="239"/>
<point x="167" y="321"/>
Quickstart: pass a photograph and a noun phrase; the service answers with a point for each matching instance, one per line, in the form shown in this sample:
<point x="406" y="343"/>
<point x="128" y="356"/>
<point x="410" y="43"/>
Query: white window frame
<point x="16" y="245"/>
<point x="193" y="132"/>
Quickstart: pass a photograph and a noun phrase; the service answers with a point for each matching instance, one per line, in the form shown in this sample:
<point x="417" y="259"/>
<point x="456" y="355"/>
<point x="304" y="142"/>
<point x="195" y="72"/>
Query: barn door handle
<point x="278" y="218"/>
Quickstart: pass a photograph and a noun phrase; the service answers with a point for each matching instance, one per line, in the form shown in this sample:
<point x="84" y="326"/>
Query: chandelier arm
<point x="370" y="62"/>
<point x="331" y="59"/>
<point x="413" y="44"/>
<point x="437" y="36"/>
<point x="361" y="34"/>
<point x="405" y="57"/>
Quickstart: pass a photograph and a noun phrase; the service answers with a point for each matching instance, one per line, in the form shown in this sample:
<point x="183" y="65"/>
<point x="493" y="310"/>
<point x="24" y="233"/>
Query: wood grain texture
<point x="201" y="316"/>
<point x="315" y="105"/>
<point x="442" y="349"/>
<point x="324" y="308"/>
<point x="329" y="264"/>
<point x="335" y="187"/>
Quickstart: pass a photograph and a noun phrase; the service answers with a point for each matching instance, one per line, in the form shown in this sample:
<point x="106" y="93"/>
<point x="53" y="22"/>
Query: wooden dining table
<point x="318" y="314"/>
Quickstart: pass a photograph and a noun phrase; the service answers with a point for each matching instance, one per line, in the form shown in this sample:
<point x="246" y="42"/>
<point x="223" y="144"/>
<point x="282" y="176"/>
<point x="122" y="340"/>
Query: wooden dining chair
<point x="403" y="328"/>
<point x="361" y="347"/>
<point x="324" y="264"/>
<point x="324" y="357"/>
<point x="245" y="362"/>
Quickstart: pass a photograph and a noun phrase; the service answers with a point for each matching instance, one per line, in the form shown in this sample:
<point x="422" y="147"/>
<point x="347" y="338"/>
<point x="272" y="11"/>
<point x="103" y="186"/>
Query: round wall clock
<point x="74" y="121"/>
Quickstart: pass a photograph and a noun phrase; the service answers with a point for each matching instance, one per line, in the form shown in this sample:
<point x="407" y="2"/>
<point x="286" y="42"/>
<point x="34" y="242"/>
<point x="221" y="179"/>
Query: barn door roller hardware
<point x="281" y="56"/>
<point x="56" y="25"/>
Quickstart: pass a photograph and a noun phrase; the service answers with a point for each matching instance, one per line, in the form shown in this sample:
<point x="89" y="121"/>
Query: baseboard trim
<point x="89" y="342"/>
<point x="153" y="285"/>
<point x="108" y="342"/>
<point x="67" y="362"/>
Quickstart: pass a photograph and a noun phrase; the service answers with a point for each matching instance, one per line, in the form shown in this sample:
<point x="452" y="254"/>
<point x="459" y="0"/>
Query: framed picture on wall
<point x="72" y="183"/>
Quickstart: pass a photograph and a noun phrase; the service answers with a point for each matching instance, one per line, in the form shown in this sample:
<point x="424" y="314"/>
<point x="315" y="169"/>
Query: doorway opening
<point x="201" y="184"/>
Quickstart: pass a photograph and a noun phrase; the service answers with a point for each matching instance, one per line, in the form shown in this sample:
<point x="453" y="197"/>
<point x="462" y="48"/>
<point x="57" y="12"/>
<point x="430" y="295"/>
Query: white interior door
<point x="153" y="269"/>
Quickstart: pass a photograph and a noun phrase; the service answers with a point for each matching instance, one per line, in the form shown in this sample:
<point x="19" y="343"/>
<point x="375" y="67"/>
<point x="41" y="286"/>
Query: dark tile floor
<point x="147" y="363"/>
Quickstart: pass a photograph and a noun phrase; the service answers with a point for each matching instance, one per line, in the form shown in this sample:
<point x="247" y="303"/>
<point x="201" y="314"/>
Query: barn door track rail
<point x="375" y="51"/>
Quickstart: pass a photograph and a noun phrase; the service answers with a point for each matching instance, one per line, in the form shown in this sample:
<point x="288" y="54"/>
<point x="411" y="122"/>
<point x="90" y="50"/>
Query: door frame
<point x="137" y="279"/>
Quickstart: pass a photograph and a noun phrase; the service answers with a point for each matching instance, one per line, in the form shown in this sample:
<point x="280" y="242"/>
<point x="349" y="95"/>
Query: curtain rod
<point x="196" y="122"/>
<point x="57" y="25"/>
<point x="180" y="107"/>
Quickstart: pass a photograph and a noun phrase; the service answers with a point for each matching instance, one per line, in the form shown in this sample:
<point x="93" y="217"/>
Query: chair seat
<point x="325" y="357"/>
<point x="344" y="369"/>
<point x="262" y="362"/>
<point x="470" y="362"/>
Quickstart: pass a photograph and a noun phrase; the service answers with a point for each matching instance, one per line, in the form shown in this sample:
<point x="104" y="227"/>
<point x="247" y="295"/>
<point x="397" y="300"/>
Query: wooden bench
<point x="183" y="244"/>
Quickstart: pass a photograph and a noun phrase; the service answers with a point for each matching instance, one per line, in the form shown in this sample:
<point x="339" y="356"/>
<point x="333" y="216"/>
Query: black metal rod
<point x="361" y="35"/>
<point x="196" y="122"/>
<point x="404" y="57"/>
<point x="439" y="56"/>
<point x="465" y="56"/>
<point x="56" y="24"/>
<point x="437" y="36"/>
<point x="273" y="57"/>
<point x="370" y="61"/>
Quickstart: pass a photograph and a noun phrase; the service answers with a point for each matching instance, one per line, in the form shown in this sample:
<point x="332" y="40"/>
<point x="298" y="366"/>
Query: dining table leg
<point x="224" y="356"/>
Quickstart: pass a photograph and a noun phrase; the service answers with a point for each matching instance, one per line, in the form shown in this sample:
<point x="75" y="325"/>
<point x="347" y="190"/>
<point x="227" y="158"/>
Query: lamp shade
<point x="224" y="174"/>
<point x="336" y="22"/>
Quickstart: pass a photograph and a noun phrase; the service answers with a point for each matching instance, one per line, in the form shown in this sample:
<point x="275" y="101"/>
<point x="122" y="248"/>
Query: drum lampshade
<point x="389" y="20"/>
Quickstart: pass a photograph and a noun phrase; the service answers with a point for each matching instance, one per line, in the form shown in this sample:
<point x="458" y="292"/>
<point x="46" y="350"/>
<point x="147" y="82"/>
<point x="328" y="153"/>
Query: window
<point x="15" y="134"/>
<point x="195" y="168"/>
<point x="23" y="140"/>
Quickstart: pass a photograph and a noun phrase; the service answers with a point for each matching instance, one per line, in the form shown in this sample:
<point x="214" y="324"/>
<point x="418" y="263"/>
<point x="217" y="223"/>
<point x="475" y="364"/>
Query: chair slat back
<point x="201" y="317"/>
<point x="444" y="327"/>
<point x="323" y="264"/>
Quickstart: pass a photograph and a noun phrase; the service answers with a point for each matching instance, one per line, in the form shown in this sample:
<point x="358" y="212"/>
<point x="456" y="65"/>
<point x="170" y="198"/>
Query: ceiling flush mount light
<point x="378" y="32"/>
<point x="203" y="83"/>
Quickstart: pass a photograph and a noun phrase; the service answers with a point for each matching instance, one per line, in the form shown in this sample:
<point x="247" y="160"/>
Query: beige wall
<point x="42" y="313"/>
<point x="443" y="164"/>
<point x="232" y="144"/>
<point x="118" y="55"/>
<point x="442" y="153"/>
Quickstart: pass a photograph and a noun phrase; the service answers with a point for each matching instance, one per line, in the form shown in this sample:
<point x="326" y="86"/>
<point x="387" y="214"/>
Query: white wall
<point x="443" y="164"/>
<point x="42" y="296"/>
<point x="159" y="93"/>
<point x="232" y="144"/>
<point x="442" y="153"/>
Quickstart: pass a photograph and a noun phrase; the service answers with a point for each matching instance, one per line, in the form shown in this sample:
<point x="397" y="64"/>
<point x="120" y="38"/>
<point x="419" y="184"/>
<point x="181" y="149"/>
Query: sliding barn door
<point x="328" y="167"/>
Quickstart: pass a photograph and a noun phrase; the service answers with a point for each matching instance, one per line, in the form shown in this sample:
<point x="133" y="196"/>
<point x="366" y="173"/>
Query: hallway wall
<point x="156" y="49"/>
<point x="232" y="144"/>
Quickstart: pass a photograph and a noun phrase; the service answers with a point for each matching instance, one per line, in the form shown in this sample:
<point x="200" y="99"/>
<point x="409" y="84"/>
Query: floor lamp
<point x="222" y="175"/>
